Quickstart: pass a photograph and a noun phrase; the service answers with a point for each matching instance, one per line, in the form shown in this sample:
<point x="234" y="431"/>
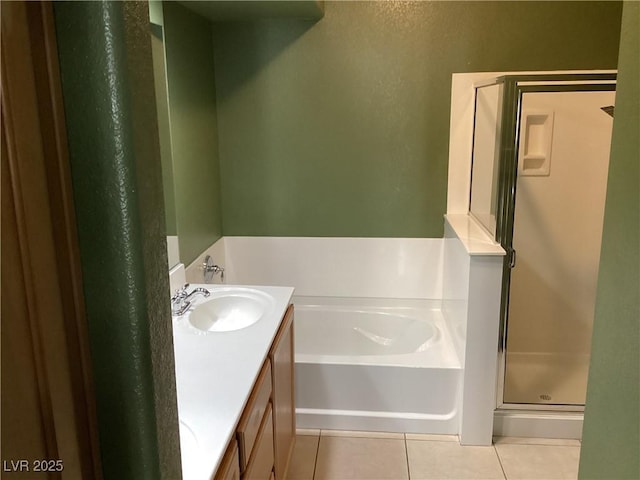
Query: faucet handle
<point x="181" y="292"/>
<point x="210" y="269"/>
<point x="181" y="300"/>
<point x="179" y="303"/>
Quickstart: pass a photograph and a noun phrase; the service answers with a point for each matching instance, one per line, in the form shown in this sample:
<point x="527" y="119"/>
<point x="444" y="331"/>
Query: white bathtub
<point x="375" y="364"/>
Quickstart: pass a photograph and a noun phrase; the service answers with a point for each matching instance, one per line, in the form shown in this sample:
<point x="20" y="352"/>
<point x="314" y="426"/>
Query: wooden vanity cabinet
<point x="284" y="415"/>
<point x="265" y="435"/>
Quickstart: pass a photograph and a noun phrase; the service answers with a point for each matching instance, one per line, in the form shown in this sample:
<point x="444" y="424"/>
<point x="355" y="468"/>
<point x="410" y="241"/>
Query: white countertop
<point x="215" y="373"/>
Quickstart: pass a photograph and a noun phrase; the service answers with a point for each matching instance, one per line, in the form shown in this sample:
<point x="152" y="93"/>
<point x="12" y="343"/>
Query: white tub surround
<point x="339" y="267"/>
<point x="471" y="306"/>
<point x="332" y="267"/>
<point x="215" y="374"/>
<point x="375" y="365"/>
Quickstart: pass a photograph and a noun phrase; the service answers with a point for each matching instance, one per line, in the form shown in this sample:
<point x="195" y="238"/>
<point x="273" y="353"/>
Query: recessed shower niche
<point x="535" y="143"/>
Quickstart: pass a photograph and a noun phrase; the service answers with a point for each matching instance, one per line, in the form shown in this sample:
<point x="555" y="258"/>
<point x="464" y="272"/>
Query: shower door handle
<point x="512" y="258"/>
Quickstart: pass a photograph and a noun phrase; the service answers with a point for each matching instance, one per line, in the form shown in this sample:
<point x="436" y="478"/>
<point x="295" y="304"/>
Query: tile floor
<point x="339" y="455"/>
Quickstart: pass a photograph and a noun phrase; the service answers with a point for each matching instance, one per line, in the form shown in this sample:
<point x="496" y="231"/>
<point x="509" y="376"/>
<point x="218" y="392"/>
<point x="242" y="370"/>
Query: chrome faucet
<point x="181" y="300"/>
<point x="209" y="269"/>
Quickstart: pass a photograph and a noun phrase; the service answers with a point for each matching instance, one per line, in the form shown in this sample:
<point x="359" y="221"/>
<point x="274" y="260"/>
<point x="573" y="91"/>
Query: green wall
<point x="162" y="107"/>
<point x="192" y="109"/>
<point x="245" y="10"/>
<point x="611" y="435"/>
<point x="107" y="82"/>
<point x="341" y="127"/>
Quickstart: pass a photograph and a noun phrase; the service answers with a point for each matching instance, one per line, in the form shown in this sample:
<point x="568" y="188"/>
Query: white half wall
<point x="338" y="267"/>
<point x="455" y="297"/>
<point x="481" y="350"/>
<point x="471" y="306"/>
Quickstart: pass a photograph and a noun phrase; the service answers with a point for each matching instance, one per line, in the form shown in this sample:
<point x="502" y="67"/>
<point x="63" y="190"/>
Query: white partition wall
<point x="455" y="288"/>
<point x="471" y="304"/>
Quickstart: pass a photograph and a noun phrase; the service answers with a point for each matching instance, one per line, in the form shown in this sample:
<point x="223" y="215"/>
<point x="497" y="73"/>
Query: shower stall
<point x="538" y="183"/>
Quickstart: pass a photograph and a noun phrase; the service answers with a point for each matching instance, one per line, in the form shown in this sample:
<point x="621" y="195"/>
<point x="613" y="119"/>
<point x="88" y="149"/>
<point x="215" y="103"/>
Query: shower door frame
<point x="514" y="88"/>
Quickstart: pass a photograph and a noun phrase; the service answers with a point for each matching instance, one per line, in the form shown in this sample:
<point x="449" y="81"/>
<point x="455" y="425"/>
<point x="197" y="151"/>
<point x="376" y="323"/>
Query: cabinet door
<point x="254" y="412"/>
<point x="260" y="464"/>
<point x="230" y="467"/>
<point x="284" y="420"/>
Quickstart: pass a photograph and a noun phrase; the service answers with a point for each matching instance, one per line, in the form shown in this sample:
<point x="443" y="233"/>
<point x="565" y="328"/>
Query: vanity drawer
<point x="260" y="465"/>
<point x="254" y="412"/>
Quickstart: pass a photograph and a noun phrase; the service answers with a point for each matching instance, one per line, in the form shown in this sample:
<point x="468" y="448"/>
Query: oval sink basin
<point x="230" y="309"/>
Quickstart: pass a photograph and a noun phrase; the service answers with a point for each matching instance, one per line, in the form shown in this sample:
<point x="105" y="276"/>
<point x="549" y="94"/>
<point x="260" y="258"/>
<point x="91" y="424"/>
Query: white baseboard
<point x="308" y="418"/>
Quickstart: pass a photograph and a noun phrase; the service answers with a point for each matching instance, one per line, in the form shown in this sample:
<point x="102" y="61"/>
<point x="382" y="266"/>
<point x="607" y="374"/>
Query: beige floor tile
<point x="432" y="438"/>
<point x="303" y="460"/>
<point x="449" y="460"/>
<point x="344" y="458"/>
<point x="309" y="432"/>
<point x="539" y="461"/>
<point x="567" y="442"/>
<point x="361" y="434"/>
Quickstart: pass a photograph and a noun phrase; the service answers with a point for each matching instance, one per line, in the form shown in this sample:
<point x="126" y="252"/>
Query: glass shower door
<point x="562" y="164"/>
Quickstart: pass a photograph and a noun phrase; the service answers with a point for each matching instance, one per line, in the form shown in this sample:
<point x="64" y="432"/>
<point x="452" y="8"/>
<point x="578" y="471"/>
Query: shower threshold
<point x="536" y="423"/>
